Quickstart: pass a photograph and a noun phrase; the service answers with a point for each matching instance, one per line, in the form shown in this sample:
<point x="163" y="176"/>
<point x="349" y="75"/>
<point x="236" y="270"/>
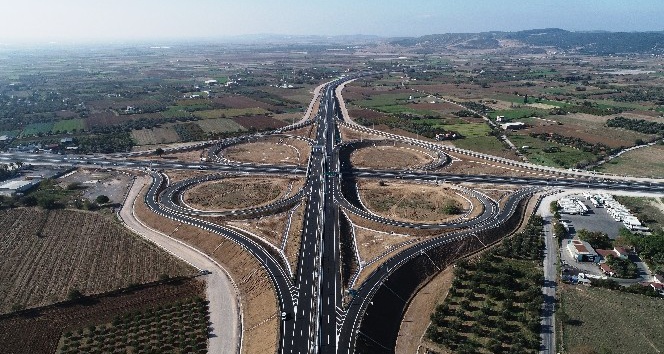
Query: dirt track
<point x="220" y="291"/>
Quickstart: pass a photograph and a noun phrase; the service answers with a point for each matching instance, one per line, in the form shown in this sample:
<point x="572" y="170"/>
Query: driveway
<point x="226" y="333"/>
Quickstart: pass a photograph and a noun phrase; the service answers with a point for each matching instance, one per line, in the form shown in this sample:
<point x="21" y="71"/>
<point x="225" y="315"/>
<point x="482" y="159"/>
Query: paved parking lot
<point x="597" y="219"/>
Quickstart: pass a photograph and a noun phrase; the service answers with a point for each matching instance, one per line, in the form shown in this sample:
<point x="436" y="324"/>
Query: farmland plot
<point x="48" y="253"/>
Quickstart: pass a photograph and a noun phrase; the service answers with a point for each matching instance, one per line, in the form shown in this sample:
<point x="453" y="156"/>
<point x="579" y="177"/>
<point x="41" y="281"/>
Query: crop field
<point x="469" y="130"/>
<point x="219" y="125"/>
<point x="162" y="135"/>
<point x="259" y="122"/>
<point x="68" y="125"/>
<point x="567" y="156"/>
<point x="635" y="320"/>
<point x="176" y="112"/>
<point x="37" y="128"/>
<point x="104" y="119"/>
<point x="518" y="113"/>
<point x="176" y="328"/>
<point x="643" y="162"/>
<point x="41" y="330"/>
<point x="48" y="253"/>
<point x="241" y="102"/>
<point x="230" y="112"/>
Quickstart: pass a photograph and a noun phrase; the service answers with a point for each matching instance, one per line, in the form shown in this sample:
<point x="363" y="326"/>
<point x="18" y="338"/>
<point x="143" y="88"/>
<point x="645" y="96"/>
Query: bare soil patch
<point x="413" y="202"/>
<point x="269" y="228"/>
<point x="236" y="193"/>
<point x="273" y="151"/>
<point x="351" y="134"/>
<point x="259" y="302"/>
<point x="39" y="331"/>
<point x="423" y="304"/>
<point x="308" y="131"/>
<point x="372" y="244"/>
<point x="387" y="157"/>
<point x="45" y="254"/>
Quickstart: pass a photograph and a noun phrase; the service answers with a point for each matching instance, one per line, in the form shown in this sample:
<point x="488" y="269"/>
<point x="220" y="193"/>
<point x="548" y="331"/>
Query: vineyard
<point x="43" y="330"/>
<point x="46" y="254"/>
<point x="176" y="328"/>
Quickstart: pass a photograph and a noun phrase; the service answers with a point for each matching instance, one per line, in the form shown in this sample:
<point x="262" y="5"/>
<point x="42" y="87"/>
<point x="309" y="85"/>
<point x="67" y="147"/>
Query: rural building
<point x="210" y="82"/>
<point x="581" y="251"/>
<point x="606" y="269"/>
<point x="513" y="126"/>
<point x="10" y="188"/>
<point x="617" y="252"/>
<point x="66" y="140"/>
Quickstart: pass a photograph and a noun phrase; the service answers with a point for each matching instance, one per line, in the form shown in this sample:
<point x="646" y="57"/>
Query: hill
<point x="555" y="39"/>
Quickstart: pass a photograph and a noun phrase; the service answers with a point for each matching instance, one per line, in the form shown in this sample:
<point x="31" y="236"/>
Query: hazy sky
<point x="46" y="20"/>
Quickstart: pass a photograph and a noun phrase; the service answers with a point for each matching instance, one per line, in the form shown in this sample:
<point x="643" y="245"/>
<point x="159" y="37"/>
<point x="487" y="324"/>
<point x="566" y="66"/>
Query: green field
<point x="517" y="113"/>
<point x="37" y="128"/>
<point x="230" y="112"/>
<point x="469" y="130"/>
<point x="483" y="144"/>
<point x="68" y="125"/>
<point x="219" y="125"/>
<point x="10" y="133"/>
<point x="597" y="320"/>
<point x="176" y="112"/>
<point x="567" y="157"/>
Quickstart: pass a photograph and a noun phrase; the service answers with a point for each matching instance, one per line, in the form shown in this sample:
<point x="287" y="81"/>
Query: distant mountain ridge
<point x="595" y="42"/>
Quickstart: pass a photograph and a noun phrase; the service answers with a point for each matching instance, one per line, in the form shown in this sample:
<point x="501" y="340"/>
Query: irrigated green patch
<point x="517" y="113"/>
<point x="37" y="128"/>
<point x="469" y="130"/>
<point x="68" y="125"/>
<point x="484" y="144"/>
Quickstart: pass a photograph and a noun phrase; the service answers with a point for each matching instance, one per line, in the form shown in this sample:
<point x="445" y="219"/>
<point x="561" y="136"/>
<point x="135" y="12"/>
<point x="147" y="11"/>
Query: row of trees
<point x="638" y="125"/>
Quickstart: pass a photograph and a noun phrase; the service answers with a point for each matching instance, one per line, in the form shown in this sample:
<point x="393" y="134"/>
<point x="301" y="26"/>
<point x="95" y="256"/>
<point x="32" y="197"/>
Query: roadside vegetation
<point x="493" y="305"/>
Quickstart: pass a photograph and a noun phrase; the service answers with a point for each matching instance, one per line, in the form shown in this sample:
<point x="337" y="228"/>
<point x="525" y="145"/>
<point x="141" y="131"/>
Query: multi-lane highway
<point x="314" y="317"/>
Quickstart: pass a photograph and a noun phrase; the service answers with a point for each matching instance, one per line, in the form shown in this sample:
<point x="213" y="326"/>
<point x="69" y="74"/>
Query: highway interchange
<point x="316" y="319"/>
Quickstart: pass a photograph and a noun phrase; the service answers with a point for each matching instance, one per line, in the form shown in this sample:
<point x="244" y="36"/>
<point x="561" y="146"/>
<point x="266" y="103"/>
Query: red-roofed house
<point x="617" y="252"/>
<point x="606" y="269"/>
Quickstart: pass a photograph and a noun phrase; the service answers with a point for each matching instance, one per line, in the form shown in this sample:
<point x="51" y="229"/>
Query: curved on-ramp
<point x="225" y="314"/>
